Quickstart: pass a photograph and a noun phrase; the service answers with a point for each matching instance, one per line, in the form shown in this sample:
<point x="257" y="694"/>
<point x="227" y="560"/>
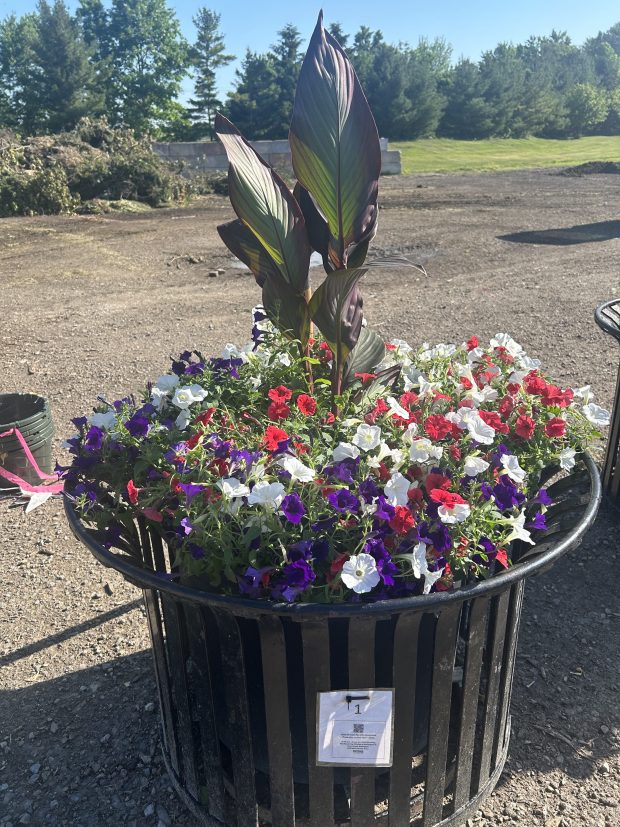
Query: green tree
<point x="467" y="113"/>
<point x="287" y="63"/>
<point x="208" y="54"/>
<point x="149" y="57"/>
<point x="63" y="85"/>
<point x="17" y="39"/>
<point x="337" y="32"/>
<point x="587" y="108"/>
<point x="254" y="102"/>
<point x="427" y="71"/>
<point x="386" y="89"/>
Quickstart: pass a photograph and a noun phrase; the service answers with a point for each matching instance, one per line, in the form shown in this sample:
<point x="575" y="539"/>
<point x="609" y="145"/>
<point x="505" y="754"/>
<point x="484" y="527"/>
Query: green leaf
<point x="287" y="309"/>
<point x="243" y="243"/>
<point x="266" y="206"/>
<point x="366" y="355"/>
<point x="335" y="145"/>
<point x="336" y="309"/>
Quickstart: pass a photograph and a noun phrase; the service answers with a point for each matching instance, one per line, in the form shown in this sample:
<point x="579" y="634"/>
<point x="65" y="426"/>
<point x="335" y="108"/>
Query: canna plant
<point x="333" y="210"/>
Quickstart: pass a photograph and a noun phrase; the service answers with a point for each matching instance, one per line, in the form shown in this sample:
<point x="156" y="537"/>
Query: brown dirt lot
<point x="94" y="305"/>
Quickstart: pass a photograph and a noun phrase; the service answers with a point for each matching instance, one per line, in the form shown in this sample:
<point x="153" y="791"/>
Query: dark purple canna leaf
<point x="287" y="309"/>
<point x="243" y="243"/>
<point x="365" y="356"/>
<point x="266" y="206"/>
<point x="316" y="225"/>
<point x="336" y="309"/>
<point x="335" y="146"/>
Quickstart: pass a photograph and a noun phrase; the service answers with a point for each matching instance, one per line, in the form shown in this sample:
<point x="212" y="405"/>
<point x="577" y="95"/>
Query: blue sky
<point x="471" y="27"/>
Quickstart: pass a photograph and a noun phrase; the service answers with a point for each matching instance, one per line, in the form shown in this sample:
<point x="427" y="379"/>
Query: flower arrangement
<point x="263" y="491"/>
<point x="319" y="463"/>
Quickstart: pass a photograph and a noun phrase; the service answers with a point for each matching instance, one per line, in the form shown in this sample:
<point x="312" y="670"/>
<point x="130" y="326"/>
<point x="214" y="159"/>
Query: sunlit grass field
<point x="446" y="155"/>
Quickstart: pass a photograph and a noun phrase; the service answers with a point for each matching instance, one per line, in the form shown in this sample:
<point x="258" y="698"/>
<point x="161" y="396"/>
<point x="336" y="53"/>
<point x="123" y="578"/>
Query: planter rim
<point x="148" y="579"/>
<point x="41" y="415"/>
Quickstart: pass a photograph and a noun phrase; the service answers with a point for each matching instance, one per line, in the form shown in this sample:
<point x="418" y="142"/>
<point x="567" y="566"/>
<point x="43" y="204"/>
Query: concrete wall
<point x="209" y="156"/>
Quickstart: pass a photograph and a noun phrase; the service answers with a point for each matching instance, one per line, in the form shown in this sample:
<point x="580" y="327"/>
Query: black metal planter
<point x="238" y="683"/>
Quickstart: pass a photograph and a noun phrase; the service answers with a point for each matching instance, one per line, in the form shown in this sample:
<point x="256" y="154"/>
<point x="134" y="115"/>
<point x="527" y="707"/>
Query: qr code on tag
<point x="358" y="729"/>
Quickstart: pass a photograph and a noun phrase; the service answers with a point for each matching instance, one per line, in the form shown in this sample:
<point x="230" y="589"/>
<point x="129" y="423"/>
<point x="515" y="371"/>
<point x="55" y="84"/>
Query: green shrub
<point x="55" y="173"/>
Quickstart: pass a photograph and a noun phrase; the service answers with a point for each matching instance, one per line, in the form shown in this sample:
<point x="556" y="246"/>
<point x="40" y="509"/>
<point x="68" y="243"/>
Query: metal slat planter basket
<point x="238" y="682"/>
<point x="607" y="317"/>
<point x="32" y="415"/>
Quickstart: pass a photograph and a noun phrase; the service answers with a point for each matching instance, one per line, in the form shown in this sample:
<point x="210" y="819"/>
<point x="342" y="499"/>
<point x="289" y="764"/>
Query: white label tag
<point x="355" y="727"/>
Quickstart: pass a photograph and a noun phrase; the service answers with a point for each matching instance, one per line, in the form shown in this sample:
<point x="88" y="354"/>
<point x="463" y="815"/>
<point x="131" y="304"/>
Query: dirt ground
<point x="94" y="305"/>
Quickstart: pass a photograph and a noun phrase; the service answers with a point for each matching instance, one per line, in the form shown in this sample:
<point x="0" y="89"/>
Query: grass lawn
<point x="446" y="155"/>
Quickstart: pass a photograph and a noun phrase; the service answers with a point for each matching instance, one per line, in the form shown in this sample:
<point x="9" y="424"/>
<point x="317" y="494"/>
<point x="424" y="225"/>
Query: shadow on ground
<point x="563" y="236"/>
<point x="95" y="732"/>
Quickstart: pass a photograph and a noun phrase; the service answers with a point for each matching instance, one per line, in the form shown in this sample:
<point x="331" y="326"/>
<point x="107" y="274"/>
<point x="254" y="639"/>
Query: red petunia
<point x="502" y="557"/>
<point x="194" y="440"/>
<point x="408" y="398"/>
<point x="506" y="405"/>
<point x="493" y="419"/>
<point x="205" y="417"/>
<point x="300" y="447"/>
<point x="437" y="426"/>
<point x="436" y="480"/>
<point x="513" y="388"/>
<point x="415" y="497"/>
<point x="525" y="426"/>
<point x="455" y="452"/>
<point x="366" y="377"/>
<point x="132" y="492"/>
<point x="556" y="427"/>
<point x="280" y="394"/>
<point x="466" y="383"/>
<point x="278" y="410"/>
<point x="534" y="384"/>
<point x="472" y="343"/>
<point x="381" y="407"/>
<point x="504" y="356"/>
<point x="273" y="437"/>
<point x="446" y="498"/>
<point x="552" y="395"/>
<point x="402" y="521"/>
<point x="306" y="404"/>
<point x="326" y="352"/>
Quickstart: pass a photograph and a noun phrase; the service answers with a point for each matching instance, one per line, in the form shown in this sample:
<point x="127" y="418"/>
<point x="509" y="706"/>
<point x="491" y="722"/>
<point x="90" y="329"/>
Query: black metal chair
<point x="607" y="317"/>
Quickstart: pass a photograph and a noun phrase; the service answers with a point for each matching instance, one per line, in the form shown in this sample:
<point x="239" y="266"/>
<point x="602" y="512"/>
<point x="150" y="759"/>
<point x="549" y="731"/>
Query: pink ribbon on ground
<point x="55" y="488"/>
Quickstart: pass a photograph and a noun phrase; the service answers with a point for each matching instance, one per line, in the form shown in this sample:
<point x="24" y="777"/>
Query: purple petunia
<point x="138" y="426"/>
<point x="191" y="490"/>
<point x="196" y="551"/>
<point x="539" y="523"/>
<point x="94" y="439"/>
<point x="343" y="500"/>
<point x="368" y="490"/>
<point x="293" y="508"/>
<point x="506" y="494"/>
<point x="296" y="577"/>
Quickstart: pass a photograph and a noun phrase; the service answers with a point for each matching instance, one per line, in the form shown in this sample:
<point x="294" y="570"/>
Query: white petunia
<point x="298" y="471"/>
<point x="231" y="351"/>
<point x="527" y="363"/>
<point x="396" y="489"/>
<point x="458" y="513"/>
<point x="474" y="466"/>
<point x="519" y="532"/>
<point x="167" y="383"/>
<point x="396" y="409"/>
<point x="584" y="393"/>
<point x="418" y="562"/>
<point x="567" y="459"/>
<point x="410" y="433"/>
<point x="411" y="376"/>
<point x="482" y="395"/>
<point x="182" y="420"/>
<point x="477" y="427"/>
<point x="106" y="420"/>
<point x="159" y="398"/>
<point x="423" y="450"/>
<point x="512" y="468"/>
<point x="596" y="415"/>
<point x="506" y="341"/>
<point x="402" y="345"/>
<point x="360" y="573"/>
<point x="440" y="351"/>
<point x="232" y="488"/>
<point x="475" y="355"/>
<point x="367" y="437"/>
<point x="344" y="450"/>
<point x="187" y="395"/>
<point x="268" y="495"/>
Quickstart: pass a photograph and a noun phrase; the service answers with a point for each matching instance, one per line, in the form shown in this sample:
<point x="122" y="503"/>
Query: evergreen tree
<point x="287" y="63"/>
<point x="208" y="54"/>
<point x="63" y="85"/>
<point x="466" y="115"/>
<point x="253" y="104"/>
<point x="587" y="108"/>
<point x="428" y="69"/>
<point x="337" y="32"/>
<point x="17" y="39"/>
